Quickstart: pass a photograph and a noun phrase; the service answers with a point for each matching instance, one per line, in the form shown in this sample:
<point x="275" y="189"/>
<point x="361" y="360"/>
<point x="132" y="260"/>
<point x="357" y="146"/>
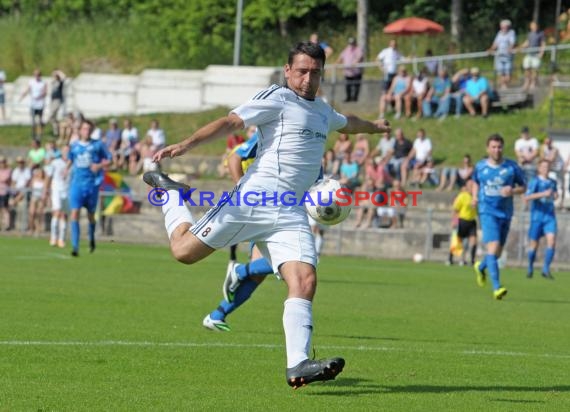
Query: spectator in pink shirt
<point x="350" y="57"/>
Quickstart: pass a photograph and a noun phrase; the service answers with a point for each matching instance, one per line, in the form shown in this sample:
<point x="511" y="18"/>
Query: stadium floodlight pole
<point x="237" y="36"/>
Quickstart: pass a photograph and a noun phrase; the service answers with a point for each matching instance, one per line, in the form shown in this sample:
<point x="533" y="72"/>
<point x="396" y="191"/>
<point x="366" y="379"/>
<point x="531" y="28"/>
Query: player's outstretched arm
<point x="218" y="128"/>
<point x="355" y="124"/>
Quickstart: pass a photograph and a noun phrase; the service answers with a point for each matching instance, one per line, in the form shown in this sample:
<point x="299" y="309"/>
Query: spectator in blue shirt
<point x="438" y="95"/>
<point x="476" y="93"/>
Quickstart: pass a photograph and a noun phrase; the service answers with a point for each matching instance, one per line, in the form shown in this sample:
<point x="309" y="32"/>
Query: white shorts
<point x="281" y="233"/>
<point x="59" y="200"/>
<point x="531" y="62"/>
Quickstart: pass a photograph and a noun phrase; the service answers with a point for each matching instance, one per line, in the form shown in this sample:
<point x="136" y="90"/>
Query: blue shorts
<point x="86" y="197"/>
<point x="495" y="229"/>
<point x="503" y="65"/>
<point x="540" y="227"/>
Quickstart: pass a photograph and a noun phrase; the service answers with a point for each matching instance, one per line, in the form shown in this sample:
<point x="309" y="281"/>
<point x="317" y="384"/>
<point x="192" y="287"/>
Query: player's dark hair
<point x="310" y="49"/>
<point x="90" y="123"/>
<point x="495" y="137"/>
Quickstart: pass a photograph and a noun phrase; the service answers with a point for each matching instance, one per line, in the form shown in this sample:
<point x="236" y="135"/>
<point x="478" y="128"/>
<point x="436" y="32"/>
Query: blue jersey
<point x="83" y="155"/>
<point x="544" y="206"/>
<point x="248" y="149"/>
<point x="491" y="179"/>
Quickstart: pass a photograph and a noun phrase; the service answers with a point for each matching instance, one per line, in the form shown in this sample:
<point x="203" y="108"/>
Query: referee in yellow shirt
<point x="466" y="213"/>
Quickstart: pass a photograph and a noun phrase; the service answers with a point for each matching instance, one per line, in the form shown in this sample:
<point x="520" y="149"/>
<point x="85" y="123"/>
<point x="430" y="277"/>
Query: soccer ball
<point x="418" y="258"/>
<point x="325" y="210"/>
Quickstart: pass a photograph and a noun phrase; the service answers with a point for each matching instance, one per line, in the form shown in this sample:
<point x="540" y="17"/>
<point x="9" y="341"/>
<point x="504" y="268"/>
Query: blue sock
<point x="531" y="257"/>
<point x="548" y="256"/>
<point x="259" y="267"/>
<point x="483" y="265"/>
<point x="243" y="292"/>
<point x="91" y="231"/>
<point x="493" y="267"/>
<point x="75" y="234"/>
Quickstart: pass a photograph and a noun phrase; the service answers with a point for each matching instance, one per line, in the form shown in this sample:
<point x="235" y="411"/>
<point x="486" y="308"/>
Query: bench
<point x="514" y="97"/>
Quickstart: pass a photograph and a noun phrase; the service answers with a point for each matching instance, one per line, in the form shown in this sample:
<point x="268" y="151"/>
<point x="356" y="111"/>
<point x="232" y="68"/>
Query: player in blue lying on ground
<point x="542" y="192"/>
<point x="241" y="279"/>
<point x="496" y="180"/>
<point x="87" y="159"/>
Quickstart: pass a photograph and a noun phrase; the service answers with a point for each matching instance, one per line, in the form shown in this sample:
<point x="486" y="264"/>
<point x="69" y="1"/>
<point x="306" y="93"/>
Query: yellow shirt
<point x="463" y="206"/>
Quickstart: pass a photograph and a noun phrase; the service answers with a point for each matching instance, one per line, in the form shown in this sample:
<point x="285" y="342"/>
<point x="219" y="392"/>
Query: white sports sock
<point x="174" y="213"/>
<point x="53" y="227"/>
<point x="62" y="227"/>
<point x="318" y="243"/>
<point x="298" y="326"/>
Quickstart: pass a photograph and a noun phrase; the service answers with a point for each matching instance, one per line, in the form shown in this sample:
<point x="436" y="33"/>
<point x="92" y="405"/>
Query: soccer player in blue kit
<point x="542" y="192"/>
<point x="87" y="158"/>
<point x="496" y="180"/>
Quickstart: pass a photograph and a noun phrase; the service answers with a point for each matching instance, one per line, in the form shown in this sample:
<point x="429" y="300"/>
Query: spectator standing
<point x="527" y="151"/>
<point x="476" y="93"/>
<point x="57" y="100"/>
<point x="2" y="94"/>
<point x="20" y="179"/>
<point x="129" y="139"/>
<point x="438" y="95"/>
<point x="350" y="56"/>
<point x="531" y="62"/>
<point x="388" y="60"/>
<point x="314" y="38"/>
<point x="503" y="48"/>
<point x="37" y="89"/>
<point x="432" y="65"/>
<point x="5" y="179"/>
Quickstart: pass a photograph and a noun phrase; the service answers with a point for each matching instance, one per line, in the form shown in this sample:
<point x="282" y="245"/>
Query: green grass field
<point x="121" y="330"/>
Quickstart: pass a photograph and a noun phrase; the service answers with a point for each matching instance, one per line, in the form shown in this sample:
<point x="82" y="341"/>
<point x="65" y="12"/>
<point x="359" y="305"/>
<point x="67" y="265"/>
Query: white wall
<point x="152" y="91"/>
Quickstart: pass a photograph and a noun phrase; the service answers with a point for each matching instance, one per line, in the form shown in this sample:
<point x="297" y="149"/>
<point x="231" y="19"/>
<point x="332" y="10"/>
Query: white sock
<point x="62" y="227"/>
<point x="298" y="326"/>
<point x="53" y="226"/>
<point x="318" y="243"/>
<point x="175" y="213"/>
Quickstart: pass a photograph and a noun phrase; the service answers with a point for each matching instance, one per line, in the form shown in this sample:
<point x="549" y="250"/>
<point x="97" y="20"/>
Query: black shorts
<point x="4" y="201"/>
<point x="466" y="228"/>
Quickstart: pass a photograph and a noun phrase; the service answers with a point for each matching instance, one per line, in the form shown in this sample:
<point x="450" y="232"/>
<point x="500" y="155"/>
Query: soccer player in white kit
<point x="293" y="125"/>
<point x="58" y="186"/>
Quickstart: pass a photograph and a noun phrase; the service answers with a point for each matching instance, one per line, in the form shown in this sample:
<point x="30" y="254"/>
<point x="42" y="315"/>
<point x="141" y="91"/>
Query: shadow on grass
<point x="356" y="282"/>
<point x="547" y="301"/>
<point x="356" y="386"/>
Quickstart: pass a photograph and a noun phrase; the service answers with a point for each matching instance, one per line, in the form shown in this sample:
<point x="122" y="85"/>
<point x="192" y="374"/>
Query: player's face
<point x="84" y="131"/>
<point x="543" y="169"/>
<point x="304" y="76"/>
<point x="495" y="151"/>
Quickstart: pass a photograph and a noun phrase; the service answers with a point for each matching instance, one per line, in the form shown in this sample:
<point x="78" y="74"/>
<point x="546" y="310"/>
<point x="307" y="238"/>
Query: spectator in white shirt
<point x="527" y="151"/>
<point x="157" y="135"/>
<point x="388" y="60"/>
<point x="418" y="156"/>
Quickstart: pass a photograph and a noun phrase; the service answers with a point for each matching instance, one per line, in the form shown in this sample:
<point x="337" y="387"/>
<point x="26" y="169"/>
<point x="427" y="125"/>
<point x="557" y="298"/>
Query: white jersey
<point x="37" y="93"/>
<point x="59" y="179"/>
<point x="292" y="134"/>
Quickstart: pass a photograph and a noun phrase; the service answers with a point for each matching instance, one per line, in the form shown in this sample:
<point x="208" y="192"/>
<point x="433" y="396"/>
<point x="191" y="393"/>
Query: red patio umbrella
<point x="413" y="25"/>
